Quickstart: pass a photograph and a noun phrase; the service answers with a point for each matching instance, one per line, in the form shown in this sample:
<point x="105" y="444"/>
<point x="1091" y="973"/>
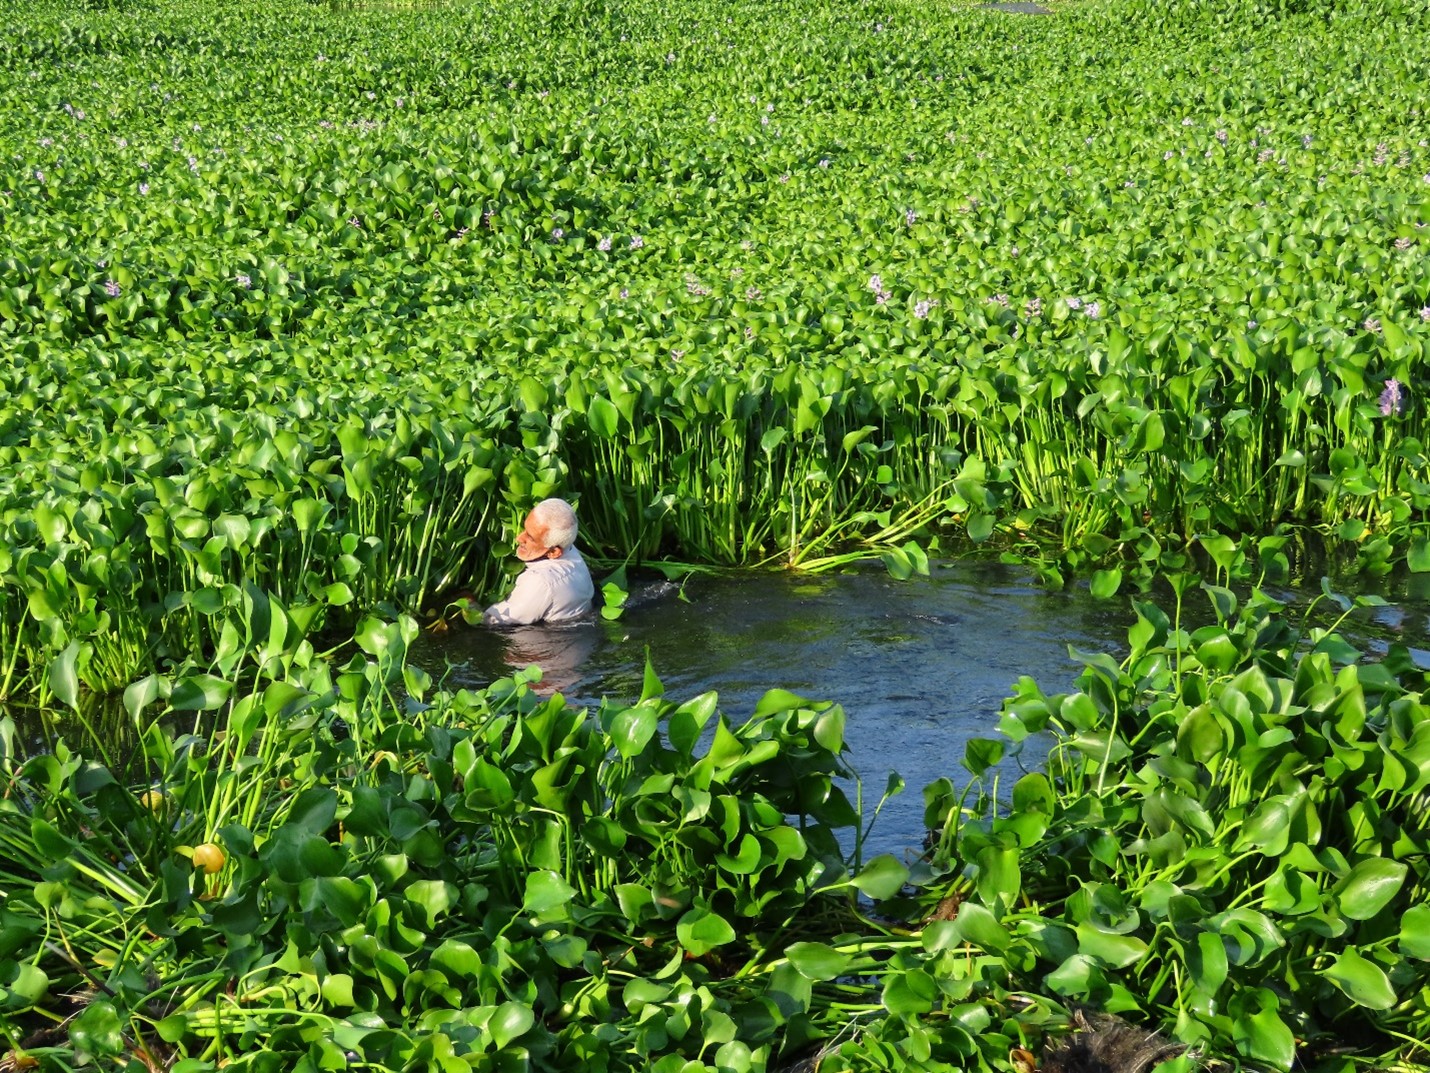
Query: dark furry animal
<point x="1106" y="1044"/>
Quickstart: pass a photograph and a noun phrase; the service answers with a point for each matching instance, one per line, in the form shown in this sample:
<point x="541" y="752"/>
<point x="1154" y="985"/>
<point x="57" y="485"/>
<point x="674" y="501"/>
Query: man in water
<point x="555" y="586"/>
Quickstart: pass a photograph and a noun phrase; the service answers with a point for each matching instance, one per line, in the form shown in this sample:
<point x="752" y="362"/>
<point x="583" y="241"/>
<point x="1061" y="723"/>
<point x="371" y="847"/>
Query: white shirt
<point x="548" y="590"/>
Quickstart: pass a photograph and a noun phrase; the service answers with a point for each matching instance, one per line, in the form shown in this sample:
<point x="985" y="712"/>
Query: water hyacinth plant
<point x="332" y="350"/>
<point x="1225" y="846"/>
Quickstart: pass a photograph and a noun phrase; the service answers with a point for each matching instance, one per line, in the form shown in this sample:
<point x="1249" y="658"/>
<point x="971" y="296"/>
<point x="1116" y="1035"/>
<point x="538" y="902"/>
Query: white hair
<point x="558" y="519"/>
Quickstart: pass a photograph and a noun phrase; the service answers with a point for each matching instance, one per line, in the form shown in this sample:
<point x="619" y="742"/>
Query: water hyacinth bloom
<point x="676" y="353"/>
<point x="1425" y="313"/>
<point x="876" y="283"/>
<point x="1093" y="310"/>
<point x="922" y="308"/>
<point x="909" y="217"/>
<point x="244" y="280"/>
<point x="1221" y="136"/>
<point x="752" y="294"/>
<point x="1371" y="325"/>
<point x="1404" y="243"/>
<point x="354" y="221"/>
<point x="604" y="244"/>
<point x="824" y="162"/>
<point x="1392" y="399"/>
<point x="1033" y="307"/>
<point x="143" y="188"/>
<point x="1074" y="303"/>
<point x="1000" y="300"/>
<point x="557" y="234"/>
<point x="637" y="242"/>
<point x="111" y="288"/>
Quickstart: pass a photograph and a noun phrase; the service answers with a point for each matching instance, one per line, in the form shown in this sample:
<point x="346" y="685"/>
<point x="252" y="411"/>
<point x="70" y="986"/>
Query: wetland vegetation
<point x="303" y="305"/>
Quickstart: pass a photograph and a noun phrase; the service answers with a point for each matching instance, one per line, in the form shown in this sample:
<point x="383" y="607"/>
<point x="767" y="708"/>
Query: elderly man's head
<point x="549" y="530"/>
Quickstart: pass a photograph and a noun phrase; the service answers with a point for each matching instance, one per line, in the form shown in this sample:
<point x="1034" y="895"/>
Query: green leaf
<point x="1265" y="1037"/>
<point x="980" y="527"/>
<point x="700" y="931"/>
<point x="602" y="417"/>
<point x="882" y="878"/>
<point x="632" y="729"/>
<point x="98" y="1032"/>
<point x="1362" y="980"/>
<point x="1109" y="947"/>
<point x="1418" y="556"/>
<point x="63" y="679"/>
<point x="1105" y="583"/>
<point x="1369" y="887"/>
<point x="817" y="961"/>
<point x="545" y="890"/>
<point x="1415" y="932"/>
<point x="509" y="1022"/>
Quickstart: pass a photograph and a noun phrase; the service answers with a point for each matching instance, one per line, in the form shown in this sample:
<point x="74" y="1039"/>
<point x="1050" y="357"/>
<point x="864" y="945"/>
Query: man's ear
<point x="555" y="553"/>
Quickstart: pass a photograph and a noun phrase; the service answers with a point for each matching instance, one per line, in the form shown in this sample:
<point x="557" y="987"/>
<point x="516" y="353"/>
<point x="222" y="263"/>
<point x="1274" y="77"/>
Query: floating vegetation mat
<point x="316" y="302"/>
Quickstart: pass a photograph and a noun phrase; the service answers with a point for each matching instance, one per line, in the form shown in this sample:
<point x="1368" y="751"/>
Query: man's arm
<point x="529" y="601"/>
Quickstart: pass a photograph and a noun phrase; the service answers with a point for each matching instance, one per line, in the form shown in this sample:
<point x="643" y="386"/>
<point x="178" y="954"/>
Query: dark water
<point x="920" y="666"/>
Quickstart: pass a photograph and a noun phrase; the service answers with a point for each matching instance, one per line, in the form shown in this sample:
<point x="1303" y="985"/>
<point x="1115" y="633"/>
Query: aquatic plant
<point x="324" y="342"/>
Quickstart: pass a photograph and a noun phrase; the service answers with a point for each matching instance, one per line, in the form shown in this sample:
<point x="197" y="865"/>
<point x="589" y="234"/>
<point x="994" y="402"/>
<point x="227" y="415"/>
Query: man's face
<point x="531" y="541"/>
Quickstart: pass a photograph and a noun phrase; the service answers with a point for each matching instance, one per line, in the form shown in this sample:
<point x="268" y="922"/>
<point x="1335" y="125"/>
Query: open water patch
<point x="920" y="666"/>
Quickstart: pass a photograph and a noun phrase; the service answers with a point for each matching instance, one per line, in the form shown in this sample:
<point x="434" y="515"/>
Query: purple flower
<point x="824" y="162"/>
<point x="752" y="294"/>
<point x="1371" y="325"/>
<point x="1187" y="122"/>
<point x="1221" y="136"/>
<point x="111" y="288"/>
<point x="243" y="280"/>
<point x="1074" y="303"/>
<point x="557" y="234"/>
<point x="1404" y="243"/>
<point x="604" y="244"/>
<point x="785" y="177"/>
<point x="1093" y="310"/>
<point x="921" y="309"/>
<point x="355" y="221"/>
<point x="677" y="354"/>
<point x="910" y="217"/>
<point x="40" y="176"/>
<point x="637" y="242"/>
<point x="749" y="333"/>
<point x="1000" y="300"/>
<point x="625" y="292"/>
<point x="1392" y="399"/>
<point x="143" y="188"/>
<point x="876" y="283"/>
<point x="1425" y="313"/>
<point x="1033" y="307"/>
<point x="1305" y="141"/>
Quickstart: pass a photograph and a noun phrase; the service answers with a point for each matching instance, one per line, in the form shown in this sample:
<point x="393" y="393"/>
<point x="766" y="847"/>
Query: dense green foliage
<point x="1229" y="842"/>
<point x="301" y="305"/>
<point x="319" y="298"/>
